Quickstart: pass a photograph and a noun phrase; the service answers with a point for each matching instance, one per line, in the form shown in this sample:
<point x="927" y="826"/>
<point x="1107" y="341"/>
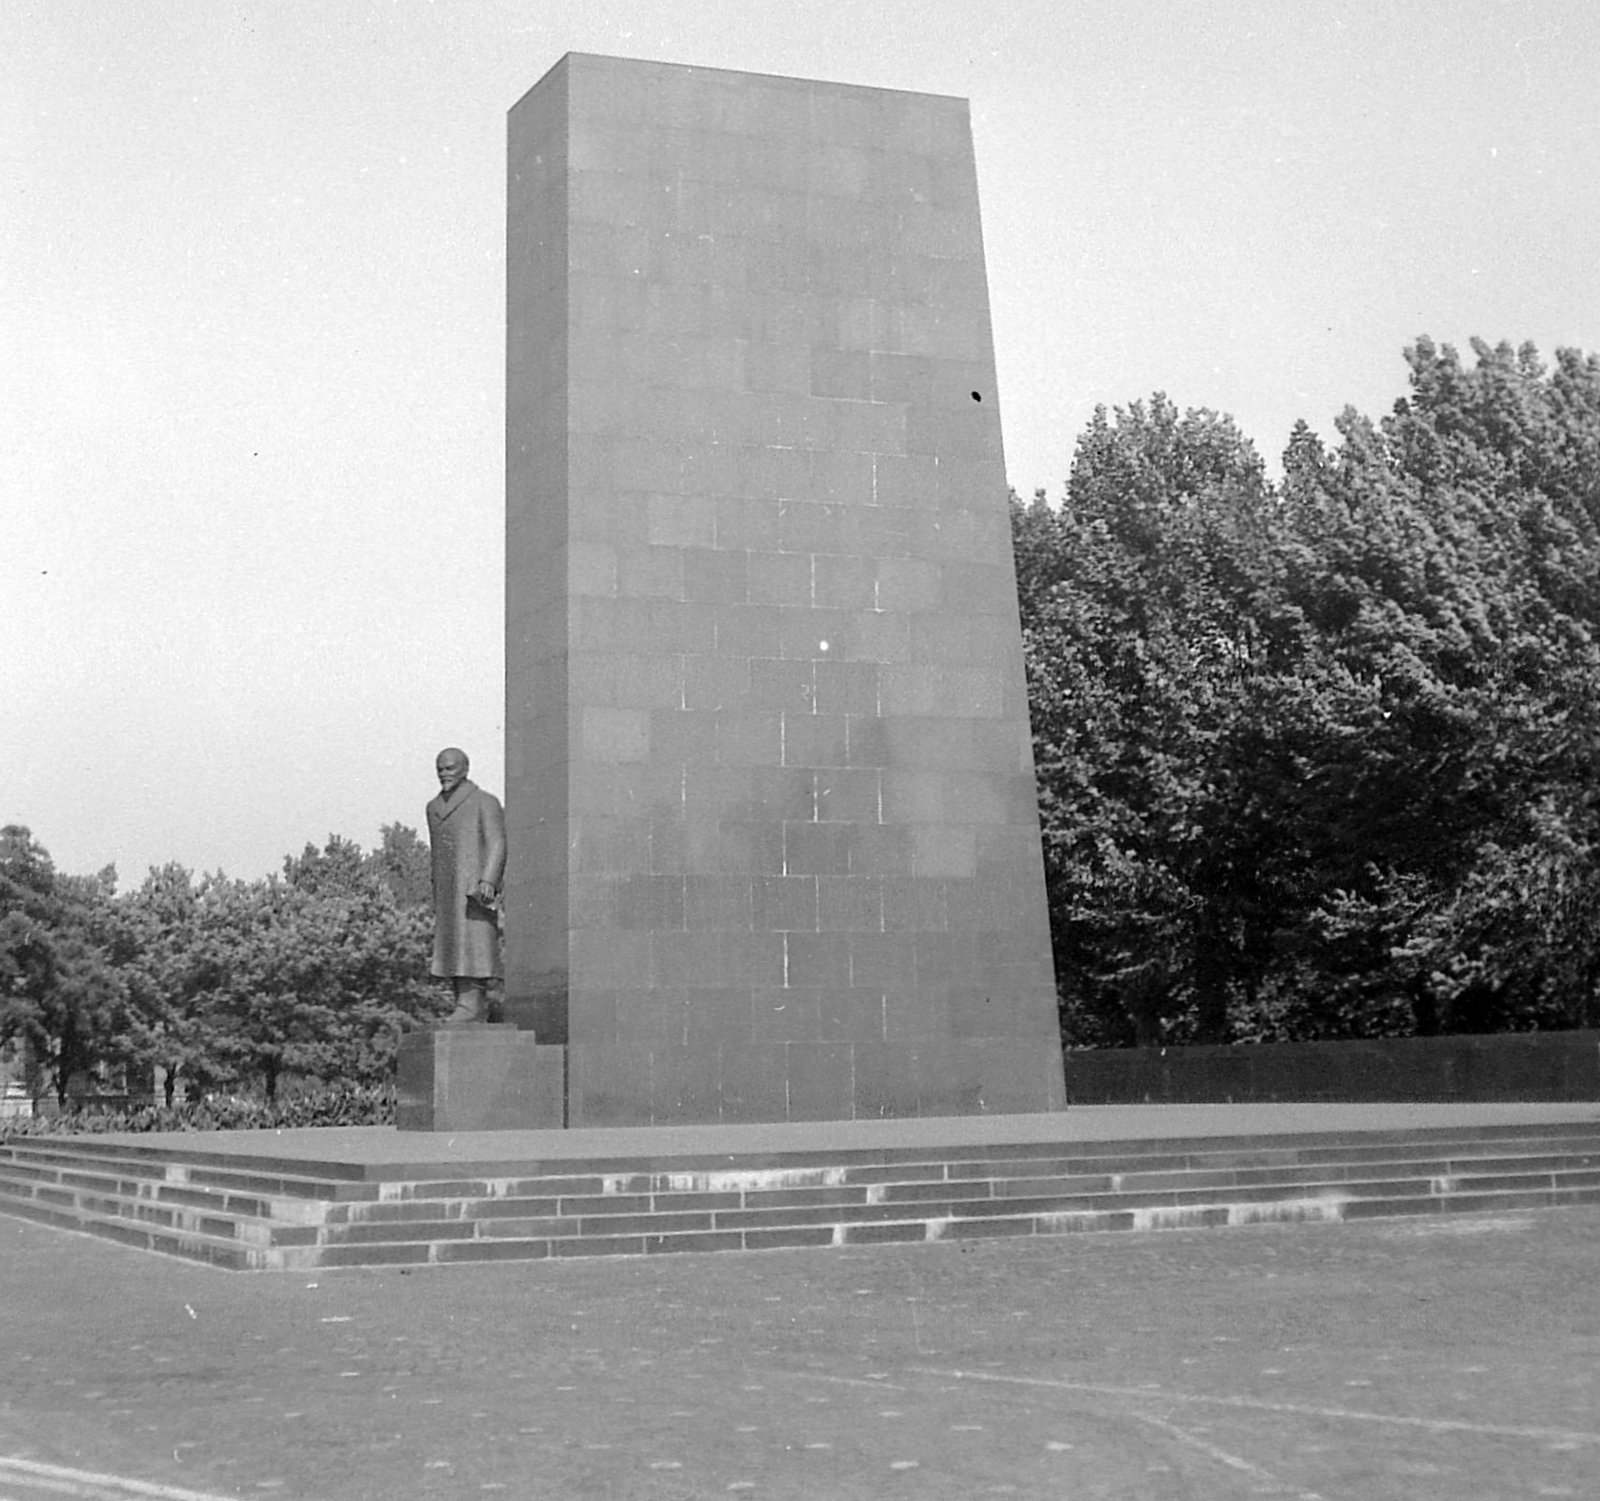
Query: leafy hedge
<point x="336" y="1105"/>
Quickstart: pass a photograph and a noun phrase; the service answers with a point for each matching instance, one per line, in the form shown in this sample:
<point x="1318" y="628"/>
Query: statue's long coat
<point x="468" y="839"/>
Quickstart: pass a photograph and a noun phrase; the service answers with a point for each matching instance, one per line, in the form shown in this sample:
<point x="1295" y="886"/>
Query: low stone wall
<point x="1520" y="1066"/>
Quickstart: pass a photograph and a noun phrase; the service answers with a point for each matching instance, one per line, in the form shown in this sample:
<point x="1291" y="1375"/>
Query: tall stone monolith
<point x="769" y="787"/>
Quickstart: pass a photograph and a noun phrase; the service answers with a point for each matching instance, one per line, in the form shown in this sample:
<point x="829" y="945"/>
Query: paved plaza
<point x="1417" y="1359"/>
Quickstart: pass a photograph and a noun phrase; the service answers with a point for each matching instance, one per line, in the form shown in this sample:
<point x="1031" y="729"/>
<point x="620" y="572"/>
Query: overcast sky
<point x="251" y="325"/>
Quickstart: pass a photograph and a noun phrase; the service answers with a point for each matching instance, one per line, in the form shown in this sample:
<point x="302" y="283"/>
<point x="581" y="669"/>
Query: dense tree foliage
<point x="216" y="983"/>
<point x="1315" y="758"/>
<point x="60" y="997"/>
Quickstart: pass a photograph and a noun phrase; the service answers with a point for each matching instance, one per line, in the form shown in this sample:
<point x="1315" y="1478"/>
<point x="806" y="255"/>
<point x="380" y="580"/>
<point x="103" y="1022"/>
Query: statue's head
<point x="451" y="765"/>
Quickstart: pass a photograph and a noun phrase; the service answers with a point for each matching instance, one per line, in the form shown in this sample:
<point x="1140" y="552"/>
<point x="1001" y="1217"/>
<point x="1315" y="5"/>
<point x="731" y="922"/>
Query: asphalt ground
<point x="1439" y="1357"/>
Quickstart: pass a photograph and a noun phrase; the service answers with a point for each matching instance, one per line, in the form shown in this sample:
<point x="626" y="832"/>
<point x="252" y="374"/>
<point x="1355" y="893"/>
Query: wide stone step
<point x="228" y="1252"/>
<point x="592" y="1220"/>
<point x="414" y="1218"/>
<point x="1046" y="1222"/>
<point x="215" y="1218"/>
<point x="20" y="1159"/>
<point x="85" y="1185"/>
<point x="894" y="1164"/>
<point x="590" y="1196"/>
<point x="258" y="1212"/>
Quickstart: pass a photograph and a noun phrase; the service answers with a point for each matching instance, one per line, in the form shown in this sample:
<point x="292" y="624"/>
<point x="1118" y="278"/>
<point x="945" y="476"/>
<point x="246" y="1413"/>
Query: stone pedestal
<point x="479" y="1078"/>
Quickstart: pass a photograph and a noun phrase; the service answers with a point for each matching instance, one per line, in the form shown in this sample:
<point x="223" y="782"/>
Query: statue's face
<point x="452" y="769"/>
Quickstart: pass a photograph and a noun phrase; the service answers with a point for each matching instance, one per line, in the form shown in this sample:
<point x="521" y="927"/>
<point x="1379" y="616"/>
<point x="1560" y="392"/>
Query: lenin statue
<point x="467" y="834"/>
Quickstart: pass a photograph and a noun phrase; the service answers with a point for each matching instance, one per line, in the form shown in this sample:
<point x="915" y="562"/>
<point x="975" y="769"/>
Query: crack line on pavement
<point x="38" y="1484"/>
<point x="1157" y="1393"/>
<point x="1256" y="1472"/>
<point x="877" y="1386"/>
<point x="88" y="1483"/>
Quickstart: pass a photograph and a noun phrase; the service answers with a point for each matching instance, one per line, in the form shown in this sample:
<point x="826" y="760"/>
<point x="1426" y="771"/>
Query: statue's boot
<point x="472" y="1004"/>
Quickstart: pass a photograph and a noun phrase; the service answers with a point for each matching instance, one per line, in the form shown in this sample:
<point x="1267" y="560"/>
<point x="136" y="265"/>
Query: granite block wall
<point x="770" y="798"/>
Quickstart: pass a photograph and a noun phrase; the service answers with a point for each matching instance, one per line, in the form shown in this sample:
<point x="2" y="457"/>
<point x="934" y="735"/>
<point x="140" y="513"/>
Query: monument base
<point x="371" y="1196"/>
<point x="479" y="1078"/>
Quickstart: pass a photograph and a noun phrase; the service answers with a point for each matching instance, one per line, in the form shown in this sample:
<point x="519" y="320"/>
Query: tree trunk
<point x="1141" y="999"/>
<point x="1210" y="985"/>
<point x="66" y="1056"/>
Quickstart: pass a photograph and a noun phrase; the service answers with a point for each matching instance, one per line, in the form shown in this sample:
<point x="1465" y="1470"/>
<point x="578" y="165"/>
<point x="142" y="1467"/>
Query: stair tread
<point x="247" y="1214"/>
<point x="229" y="1201"/>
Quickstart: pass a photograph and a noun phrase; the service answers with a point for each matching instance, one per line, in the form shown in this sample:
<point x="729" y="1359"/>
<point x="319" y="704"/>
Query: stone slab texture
<point x="494" y="1078"/>
<point x="770" y="799"/>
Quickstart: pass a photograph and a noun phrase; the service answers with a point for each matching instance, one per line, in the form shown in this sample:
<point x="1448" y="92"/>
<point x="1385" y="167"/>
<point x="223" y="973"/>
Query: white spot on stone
<point x="1061" y="1221"/>
<point x="753" y="1180"/>
<point x="1326" y="1208"/>
<point x="1169" y="1217"/>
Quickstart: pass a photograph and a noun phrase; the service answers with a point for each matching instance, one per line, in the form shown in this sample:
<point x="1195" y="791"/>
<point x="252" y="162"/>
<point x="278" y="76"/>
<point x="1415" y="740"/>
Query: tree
<point x="315" y="973"/>
<point x="157" y="947"/>
<point x="1315" y="759"/>
<point x="403" y="863"/>
<point x="1458" y="572"/>
<point x="60" y="996"/>
<point x="1144" y="627"/>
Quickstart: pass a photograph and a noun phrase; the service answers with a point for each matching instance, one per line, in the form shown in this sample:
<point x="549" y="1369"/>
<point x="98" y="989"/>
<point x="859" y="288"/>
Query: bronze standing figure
<point x="467" y="836"/>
